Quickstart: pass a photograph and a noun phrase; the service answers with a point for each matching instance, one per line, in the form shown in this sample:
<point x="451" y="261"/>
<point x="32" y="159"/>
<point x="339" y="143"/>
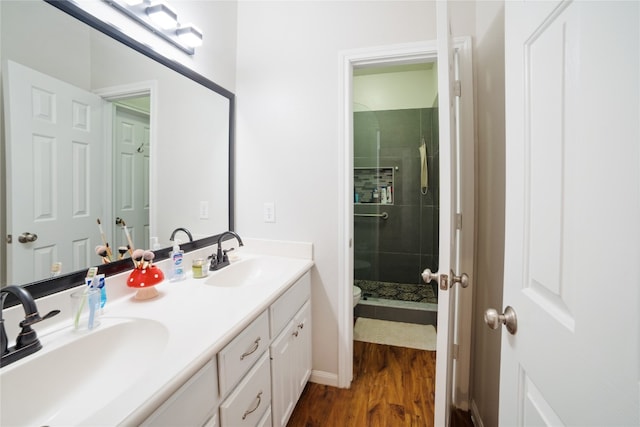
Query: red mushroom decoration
<point x="145" y="276"/>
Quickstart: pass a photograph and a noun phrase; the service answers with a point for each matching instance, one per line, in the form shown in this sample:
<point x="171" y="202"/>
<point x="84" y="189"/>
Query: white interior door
<point x="131" y="176"/>
<point x="448" y="248"/>
<point x="54" y="173"/>
<point x="572" y="241"/>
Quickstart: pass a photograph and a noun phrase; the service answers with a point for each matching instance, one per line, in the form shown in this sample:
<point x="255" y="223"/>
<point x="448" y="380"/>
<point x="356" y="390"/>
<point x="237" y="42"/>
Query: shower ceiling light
<point x="162" y="20"/>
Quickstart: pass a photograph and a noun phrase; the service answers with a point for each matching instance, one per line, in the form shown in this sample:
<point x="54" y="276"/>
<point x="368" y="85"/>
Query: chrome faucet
<point x="27" y="340"/>
<point x="220" y="258"/>
<point x="187" y="232"/>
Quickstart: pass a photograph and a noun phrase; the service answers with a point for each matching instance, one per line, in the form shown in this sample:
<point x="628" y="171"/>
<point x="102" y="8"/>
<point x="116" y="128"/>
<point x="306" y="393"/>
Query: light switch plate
<point x="204" y="209"/>
<point x="269" y="212"/>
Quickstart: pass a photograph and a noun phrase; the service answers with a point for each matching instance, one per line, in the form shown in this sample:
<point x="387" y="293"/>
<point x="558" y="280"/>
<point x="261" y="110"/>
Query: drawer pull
<point x="253" y="349"/>
<point x="295" y="333"/>
<point x="250" y="411"/>
<point x="301" y="325"/>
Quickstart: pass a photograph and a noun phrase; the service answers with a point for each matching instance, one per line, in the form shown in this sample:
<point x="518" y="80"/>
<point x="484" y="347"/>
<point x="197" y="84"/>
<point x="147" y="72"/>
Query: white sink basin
<point x="76" y="374"/>
<point x="250" y="271"/>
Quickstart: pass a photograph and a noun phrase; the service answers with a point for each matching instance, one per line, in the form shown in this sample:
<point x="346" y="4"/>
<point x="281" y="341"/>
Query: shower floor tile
<point x="397" y="291"/>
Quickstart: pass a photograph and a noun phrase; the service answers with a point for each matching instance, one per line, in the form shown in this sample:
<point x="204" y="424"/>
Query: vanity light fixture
<point x="161" y="19"/>
<point x="190" y="35"/>
<point x="163" y="15"/>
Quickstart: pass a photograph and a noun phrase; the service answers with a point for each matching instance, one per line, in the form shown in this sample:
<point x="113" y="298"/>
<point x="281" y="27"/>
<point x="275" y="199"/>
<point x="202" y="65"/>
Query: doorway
<point x="453" y="327"/>
<point x="131" y="115"/>
<point x="131" y="160"/>
<point x="396" y="183"/>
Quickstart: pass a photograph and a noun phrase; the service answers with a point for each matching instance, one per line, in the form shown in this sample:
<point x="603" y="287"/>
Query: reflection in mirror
<point x="98" y="130"/>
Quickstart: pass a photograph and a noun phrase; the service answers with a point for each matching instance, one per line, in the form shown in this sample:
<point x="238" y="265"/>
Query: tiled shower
<point x="390" y="254"/>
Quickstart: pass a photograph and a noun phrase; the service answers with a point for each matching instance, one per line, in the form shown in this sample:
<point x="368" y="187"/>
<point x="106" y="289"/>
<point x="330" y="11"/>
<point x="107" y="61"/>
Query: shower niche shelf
<point x="374" y="186"/>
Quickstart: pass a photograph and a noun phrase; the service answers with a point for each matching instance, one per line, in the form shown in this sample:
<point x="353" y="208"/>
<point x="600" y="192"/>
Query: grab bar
<point x="382" y="215"/>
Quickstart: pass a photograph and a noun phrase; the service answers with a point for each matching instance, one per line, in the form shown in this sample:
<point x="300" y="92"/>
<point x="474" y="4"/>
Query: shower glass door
<point x="396" y="212"/>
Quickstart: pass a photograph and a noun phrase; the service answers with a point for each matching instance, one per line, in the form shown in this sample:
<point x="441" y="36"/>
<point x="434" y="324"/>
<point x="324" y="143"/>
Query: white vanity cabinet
<point x="250" y="400"/>
<point x="194" y="404"/>
<point x="290" y="350"/>
<point x="245" y="360"/>
<point x="258" y="376"/>
<point x="237" y="357"/>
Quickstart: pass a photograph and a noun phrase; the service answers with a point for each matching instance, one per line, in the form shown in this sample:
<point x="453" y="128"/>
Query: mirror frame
<point x="54" y="285"/>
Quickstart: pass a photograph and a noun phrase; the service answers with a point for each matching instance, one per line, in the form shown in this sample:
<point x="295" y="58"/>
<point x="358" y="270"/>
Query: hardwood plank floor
<point x="392" y="386"/>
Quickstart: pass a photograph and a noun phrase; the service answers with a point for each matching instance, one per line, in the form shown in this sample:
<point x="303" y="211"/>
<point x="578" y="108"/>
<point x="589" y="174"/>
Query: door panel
<point x="572" y="207"/>
<point x="131" y="175"/>
<point x="447" y="244"/>
<point x="54" y="133"/>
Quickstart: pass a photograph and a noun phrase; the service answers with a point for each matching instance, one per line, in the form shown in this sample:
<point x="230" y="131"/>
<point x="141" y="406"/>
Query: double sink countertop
<point x="143" y="350"/>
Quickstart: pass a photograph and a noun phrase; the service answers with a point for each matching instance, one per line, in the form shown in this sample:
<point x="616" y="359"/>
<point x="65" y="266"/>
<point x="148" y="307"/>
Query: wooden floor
<point x="392" y="386"/>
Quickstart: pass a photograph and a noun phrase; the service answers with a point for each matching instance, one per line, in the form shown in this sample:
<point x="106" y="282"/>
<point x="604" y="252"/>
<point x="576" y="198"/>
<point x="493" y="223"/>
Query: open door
<point x="453" y="155"/>
<point x="570" y="349"/>
<point x="54" y="174"/>
<point x="132" y="153"/>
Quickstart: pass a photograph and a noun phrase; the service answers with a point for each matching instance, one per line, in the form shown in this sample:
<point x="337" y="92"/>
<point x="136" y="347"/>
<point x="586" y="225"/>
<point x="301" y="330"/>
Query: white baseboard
<point x="324" y="378"/>
<point x="475" y="415"/>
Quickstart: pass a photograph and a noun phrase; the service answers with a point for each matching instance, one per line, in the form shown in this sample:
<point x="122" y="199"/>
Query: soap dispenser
<point x="177" y="262"/>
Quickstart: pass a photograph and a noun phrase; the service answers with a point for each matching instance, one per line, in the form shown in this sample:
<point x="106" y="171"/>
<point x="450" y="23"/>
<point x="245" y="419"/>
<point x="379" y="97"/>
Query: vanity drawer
<point x="289" y="303"/>
<point x="240" y="354"/>
<point x="251" y="399"/>
<point x="266" y="420"/>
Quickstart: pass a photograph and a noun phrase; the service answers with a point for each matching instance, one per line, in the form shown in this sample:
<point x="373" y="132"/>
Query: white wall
<point x="215" y="59"/>
<point x="396" y="90"/>
<point x="288" y="98"/>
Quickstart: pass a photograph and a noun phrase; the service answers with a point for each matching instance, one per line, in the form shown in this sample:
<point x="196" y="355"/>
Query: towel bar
<point x="382" y="215"/>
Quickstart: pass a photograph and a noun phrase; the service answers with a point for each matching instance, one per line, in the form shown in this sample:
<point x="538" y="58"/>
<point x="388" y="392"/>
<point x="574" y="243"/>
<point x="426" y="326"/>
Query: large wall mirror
<point x="99" y="127"/>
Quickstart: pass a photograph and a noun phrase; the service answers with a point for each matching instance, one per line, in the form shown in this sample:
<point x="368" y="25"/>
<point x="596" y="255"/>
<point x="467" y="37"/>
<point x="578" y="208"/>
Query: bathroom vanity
<point x="231" y="349"/>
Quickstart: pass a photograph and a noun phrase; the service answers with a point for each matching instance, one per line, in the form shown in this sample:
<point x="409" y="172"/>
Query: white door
<point x="54" y="173"/>
<point x="572" y="240"/>
<point x="131" y="176"/>
<point x="452" y="239"/>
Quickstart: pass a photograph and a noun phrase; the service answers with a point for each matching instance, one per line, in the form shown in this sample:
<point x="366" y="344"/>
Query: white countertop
<point x="200" y="320"/>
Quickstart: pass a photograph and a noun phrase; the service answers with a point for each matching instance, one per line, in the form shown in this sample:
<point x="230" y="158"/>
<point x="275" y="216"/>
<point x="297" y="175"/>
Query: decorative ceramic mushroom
<point x="144" y="277"/>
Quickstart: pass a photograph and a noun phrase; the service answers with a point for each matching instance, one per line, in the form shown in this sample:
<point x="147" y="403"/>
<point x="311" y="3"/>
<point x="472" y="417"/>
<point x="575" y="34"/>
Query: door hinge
<point x="457" y="88"/>
<point x="455" y="351"/>
<point x="458" y="221"/>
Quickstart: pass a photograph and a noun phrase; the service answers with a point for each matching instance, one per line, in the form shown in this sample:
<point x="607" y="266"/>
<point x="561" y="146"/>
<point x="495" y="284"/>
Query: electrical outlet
<point x="204" y="209"/>
<point x="269" y="212"/>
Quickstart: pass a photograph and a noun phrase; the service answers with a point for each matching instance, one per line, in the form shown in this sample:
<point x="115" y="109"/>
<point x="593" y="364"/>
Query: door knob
<point x="508" y="318"/>
<point x="428" y="276"/>
<point x="27" y="237"/>
<point x="463" y="279"/>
